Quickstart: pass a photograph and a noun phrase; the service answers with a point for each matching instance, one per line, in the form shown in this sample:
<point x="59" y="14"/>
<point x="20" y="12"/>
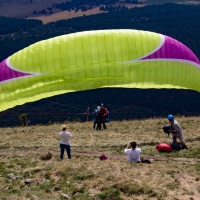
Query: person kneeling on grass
<point x="177" y="131"/>
<point x="65" y="137"/>
<point x="133" y="153"/>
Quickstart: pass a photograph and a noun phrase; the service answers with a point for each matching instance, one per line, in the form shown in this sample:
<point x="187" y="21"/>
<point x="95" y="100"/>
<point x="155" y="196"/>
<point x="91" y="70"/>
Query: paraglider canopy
<point x="96" y="59"/>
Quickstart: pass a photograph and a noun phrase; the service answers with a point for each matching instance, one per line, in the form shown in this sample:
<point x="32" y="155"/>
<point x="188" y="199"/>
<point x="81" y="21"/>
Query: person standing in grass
<point x="177" y="131"/>
<point x="65" y="137"/>
<point x="96" y="117"/>
<point x="102" y="113"/>
<point x="133" y="152"/>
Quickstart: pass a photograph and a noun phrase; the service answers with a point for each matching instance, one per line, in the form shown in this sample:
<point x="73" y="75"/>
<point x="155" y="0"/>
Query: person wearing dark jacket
<point x="103" y="113"/>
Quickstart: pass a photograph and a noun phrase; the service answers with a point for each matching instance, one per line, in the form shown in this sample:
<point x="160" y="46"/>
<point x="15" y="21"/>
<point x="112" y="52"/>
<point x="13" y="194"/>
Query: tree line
<point x="83" y="5"/>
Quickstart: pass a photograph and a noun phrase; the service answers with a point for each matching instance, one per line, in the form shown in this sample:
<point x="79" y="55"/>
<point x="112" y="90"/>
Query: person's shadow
<point x="193" y="139"/>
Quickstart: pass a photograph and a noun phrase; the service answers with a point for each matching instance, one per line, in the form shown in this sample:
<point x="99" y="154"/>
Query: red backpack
<point x="163" y="147"/>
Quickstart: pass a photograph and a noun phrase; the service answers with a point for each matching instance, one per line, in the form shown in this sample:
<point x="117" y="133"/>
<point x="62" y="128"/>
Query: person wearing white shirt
<point x="177" y="131"/>
<point x="65" y="137"/>
<point x="133" y="153"/>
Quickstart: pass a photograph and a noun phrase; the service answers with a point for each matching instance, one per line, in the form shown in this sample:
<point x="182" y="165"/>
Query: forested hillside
<point x="178" y="21"/>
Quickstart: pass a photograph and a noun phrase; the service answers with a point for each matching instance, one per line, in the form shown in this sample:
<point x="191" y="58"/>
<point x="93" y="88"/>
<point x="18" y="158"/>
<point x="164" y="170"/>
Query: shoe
<point x="146" y="161"/>
<point x="185" y="147"/>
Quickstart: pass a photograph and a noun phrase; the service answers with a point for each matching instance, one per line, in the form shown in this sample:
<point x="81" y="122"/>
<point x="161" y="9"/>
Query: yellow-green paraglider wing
<point x="96" y="59"/>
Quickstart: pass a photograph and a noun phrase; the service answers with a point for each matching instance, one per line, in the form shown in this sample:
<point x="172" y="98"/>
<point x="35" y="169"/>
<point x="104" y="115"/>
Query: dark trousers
<point x="94" y="126"/>
<point x="96" y="121"/>
<point x="62" y="149"/>
<point x="180" y="137"/>
<point x="102" y="121"/>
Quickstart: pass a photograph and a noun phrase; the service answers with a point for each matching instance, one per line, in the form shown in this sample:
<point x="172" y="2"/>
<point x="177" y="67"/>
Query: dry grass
<point x="65" y="15"/>
<point x="170" y="176"/>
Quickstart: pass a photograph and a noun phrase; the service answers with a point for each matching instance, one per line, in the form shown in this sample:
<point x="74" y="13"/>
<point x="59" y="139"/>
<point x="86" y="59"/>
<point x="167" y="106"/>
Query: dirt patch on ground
<point x="95" y="154"/>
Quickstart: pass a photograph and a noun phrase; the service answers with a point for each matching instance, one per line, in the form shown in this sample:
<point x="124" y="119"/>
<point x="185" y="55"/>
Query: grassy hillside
<point x="170" y="176"/>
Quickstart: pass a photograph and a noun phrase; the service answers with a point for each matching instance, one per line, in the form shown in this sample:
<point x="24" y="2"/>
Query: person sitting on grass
<point x="133" y="153"/>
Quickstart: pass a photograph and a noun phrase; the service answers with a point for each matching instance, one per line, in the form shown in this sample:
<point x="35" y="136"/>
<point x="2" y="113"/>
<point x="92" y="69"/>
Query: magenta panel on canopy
<point x="7" y="73"/>
<point x="173" y="49"/>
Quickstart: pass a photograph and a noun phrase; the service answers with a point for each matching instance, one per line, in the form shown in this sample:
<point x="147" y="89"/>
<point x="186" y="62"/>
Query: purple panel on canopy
<point x="173" y="49"/>
<point x="7" y="73"/>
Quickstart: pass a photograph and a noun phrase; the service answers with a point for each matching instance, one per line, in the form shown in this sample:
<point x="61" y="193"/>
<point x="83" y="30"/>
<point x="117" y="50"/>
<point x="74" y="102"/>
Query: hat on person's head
<point x="170" y="117"/>
<point x="98" y="107"/>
